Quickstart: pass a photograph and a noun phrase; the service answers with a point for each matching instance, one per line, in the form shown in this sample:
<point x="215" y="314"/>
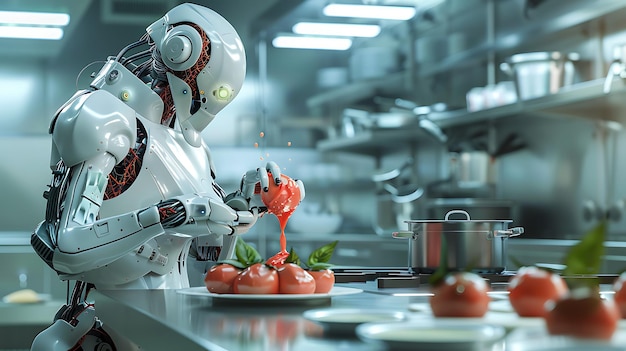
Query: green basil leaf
<point x="246" y="254"/>
<point x="322" y="254"/>
<point x="293" y="257"/>
<point x="585" y="258"/>
<point x="320" y="266"/>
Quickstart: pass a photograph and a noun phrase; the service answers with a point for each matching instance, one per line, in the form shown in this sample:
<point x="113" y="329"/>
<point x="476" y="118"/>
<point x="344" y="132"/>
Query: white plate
<point x="271" y="298"/>
<point x="498" y="314"/>
<point x="345" y="320"/>
<point x="538" y="339"/>
<point x="431" y="335"/>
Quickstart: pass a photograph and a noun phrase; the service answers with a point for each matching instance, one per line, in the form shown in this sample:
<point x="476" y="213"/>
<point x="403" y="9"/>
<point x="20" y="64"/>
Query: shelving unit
<point x="584" y="100"/>
<point x="549" y="23"/>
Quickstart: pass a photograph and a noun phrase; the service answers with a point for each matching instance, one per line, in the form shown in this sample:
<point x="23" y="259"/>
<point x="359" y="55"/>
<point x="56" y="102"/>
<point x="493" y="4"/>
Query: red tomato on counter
<point x="324" y="280"/>
<point x="620" y="294"/>
<point x="257" y="279"/>
<point x="461" y="294"/>
<point x="219" y="278"/>
<point x="582" y="314"/>
<point x="293" y="279"/>
<point x="532" y="287"/>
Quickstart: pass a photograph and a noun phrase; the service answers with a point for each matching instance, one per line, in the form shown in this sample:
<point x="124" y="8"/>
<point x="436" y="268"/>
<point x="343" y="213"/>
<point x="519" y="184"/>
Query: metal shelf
<point x="584" y="100"/>
<point x="376" y="142"/>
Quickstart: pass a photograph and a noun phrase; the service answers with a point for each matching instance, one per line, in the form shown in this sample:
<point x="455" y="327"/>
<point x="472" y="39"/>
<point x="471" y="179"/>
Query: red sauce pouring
<point x="281" y="200"/>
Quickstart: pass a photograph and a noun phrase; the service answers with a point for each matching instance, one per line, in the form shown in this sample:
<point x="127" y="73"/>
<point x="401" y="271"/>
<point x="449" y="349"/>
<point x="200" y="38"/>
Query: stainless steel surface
<point x="196" y="323"/>
<point x="479" y="245"/>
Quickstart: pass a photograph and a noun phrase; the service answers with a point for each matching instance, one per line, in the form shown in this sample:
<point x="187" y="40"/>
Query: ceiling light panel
<point x="337" y="29"/>
<point x="20" y="32"/>
<point x="34" y="18"/>
<point x="370" y="11"/>
<point x="320" y="43"/>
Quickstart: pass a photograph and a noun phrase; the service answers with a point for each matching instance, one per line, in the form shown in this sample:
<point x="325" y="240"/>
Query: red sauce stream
<point x="281" y="202"/>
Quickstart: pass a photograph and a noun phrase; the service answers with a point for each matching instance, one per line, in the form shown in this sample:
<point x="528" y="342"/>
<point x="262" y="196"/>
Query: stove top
<point x="396" y="277"/>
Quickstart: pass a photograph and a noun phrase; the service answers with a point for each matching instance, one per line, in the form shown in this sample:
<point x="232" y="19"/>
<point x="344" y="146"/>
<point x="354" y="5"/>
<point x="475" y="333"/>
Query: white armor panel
<point x="94" y="124"/>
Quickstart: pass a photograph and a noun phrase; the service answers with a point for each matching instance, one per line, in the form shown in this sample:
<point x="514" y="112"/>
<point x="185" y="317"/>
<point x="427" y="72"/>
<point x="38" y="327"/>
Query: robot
<point x="133" y="191"/>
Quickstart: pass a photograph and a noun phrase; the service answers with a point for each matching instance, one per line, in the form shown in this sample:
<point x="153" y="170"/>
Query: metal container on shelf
<point x="537" y="74"/>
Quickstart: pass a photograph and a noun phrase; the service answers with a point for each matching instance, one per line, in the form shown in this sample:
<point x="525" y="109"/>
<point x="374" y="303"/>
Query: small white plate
<point x="264" y="299"/>
<point x="345" y="320"/>
<point x="431" y="335"/>
<point x="538" y="339"/>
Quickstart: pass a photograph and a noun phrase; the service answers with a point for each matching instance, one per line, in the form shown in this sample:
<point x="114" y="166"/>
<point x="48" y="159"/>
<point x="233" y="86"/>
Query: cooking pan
<point x="476" y="245"/>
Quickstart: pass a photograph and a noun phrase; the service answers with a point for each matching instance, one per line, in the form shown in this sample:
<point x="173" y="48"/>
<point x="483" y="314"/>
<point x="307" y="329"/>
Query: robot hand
<point x="208" y="215"/>
<point x="255" y="181"/>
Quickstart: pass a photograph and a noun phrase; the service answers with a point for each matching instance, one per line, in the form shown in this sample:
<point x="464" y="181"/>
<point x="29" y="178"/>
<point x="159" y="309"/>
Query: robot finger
<point x="301" y="187"/>
<point x="273" y="168"/>
<point x="264" y="178"/>
<point x="248" y="217"/>
<point x="220" y="228"/>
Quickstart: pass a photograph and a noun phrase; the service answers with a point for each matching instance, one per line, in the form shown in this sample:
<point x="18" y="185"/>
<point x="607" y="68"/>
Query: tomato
<point x="620" y="294"/>
<point x="531" y="288"/>
<point x="582" y="313"/>
<point x="293" y="279"/>
<point x="219" y="278"/>
<point x="281" y="199"/>
<point x="256" y="279"/>
<point x="460" y="294"/>
<point x="324" y="280"/>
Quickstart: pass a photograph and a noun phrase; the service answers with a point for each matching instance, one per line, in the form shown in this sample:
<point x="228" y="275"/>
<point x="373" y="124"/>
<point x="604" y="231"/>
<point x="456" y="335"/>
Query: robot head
<point x="206" y="64"/>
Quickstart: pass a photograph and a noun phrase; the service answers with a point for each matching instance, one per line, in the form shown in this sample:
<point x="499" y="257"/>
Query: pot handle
<point x="509" y="233"/>
<point x="467" y="216"/>
<point x="404" y="235"/>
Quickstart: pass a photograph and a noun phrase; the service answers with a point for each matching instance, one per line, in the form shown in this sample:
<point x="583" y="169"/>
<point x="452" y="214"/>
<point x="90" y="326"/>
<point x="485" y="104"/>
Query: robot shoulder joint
<point x="93" y="124"/>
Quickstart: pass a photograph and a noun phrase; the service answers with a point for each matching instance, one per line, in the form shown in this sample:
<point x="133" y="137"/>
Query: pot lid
<point x="467" y="219"/>
<point x="542" y="56"/>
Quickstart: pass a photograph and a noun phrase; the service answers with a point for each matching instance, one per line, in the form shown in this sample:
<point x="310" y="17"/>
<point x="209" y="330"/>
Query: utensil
<point x="395" y="201"/>
<point x="479" y="245"/>
<point x="538" y="74"/>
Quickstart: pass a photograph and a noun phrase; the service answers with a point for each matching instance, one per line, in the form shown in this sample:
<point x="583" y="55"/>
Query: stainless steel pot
<point x="538" y="74"/>
<point x="477" y="245"/>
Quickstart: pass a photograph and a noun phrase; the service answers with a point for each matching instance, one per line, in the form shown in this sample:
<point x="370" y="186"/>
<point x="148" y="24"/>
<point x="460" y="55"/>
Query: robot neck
<point x="121" y="82"/>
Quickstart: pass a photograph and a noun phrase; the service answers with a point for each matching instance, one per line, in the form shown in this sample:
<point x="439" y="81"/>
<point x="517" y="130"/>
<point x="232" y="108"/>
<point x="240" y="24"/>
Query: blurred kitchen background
<point x="420" y="119"/>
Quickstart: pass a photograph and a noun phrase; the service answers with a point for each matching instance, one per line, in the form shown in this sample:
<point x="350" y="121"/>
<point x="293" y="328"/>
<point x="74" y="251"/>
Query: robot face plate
<point x="200" y="88"/>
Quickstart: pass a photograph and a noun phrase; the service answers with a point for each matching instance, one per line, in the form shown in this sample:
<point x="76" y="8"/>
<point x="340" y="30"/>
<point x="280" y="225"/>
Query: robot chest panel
<point x="169" y="167"/>
<point x="179" y="168"/>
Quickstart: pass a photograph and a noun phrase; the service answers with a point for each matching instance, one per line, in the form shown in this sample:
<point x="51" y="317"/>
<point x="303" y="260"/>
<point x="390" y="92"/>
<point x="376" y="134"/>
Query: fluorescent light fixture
<point x="34" y="18"/>
<point x="337" y="29"/>
<point x="19" y="32"/>
<point x="321" y="43"/>
<point x="370" y="11"/>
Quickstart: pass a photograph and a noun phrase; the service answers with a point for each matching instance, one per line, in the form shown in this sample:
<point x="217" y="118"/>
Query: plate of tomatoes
<point x="269" y="298"/>
<point x="283" y="278"/>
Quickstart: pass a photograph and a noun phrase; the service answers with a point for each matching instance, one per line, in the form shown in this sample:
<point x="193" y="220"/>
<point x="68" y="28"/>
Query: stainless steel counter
<point x="165" y="319"/>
